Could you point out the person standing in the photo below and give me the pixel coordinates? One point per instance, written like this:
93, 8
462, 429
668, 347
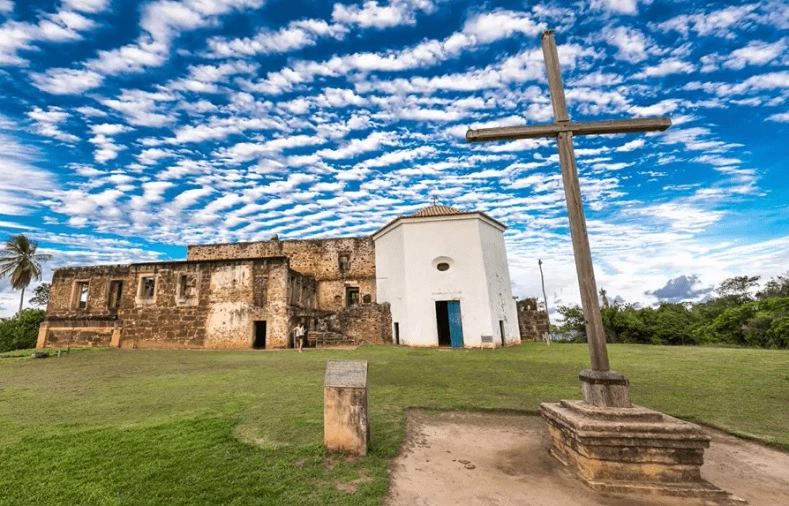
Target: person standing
299, 336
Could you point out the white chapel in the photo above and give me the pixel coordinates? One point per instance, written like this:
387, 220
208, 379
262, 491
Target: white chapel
444, 273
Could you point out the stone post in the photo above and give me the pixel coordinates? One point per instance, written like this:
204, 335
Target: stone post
346, 426
43, 332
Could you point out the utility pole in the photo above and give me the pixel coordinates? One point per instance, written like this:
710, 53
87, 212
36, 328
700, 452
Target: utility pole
544, 297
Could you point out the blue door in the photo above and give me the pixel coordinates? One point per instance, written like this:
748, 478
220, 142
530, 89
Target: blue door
455, 324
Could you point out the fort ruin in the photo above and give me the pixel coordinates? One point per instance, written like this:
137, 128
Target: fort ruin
250, 295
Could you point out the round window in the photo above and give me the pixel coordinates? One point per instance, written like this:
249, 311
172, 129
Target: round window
443, 266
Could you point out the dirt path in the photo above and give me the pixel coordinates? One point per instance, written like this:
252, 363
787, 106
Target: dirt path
495, 459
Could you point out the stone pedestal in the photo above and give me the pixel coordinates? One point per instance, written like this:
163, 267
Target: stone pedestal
346, 426
629, 450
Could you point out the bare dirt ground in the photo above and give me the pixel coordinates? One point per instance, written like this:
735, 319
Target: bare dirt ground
503, 459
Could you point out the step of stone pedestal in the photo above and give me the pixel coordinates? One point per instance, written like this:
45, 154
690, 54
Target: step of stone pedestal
703, 489
635, 413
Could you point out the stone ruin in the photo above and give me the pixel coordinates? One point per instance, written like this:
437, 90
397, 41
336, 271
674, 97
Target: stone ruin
532, 319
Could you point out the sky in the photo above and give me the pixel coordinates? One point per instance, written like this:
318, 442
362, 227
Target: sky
129, 130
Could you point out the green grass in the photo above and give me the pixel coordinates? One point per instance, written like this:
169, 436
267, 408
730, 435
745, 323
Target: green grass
194, 427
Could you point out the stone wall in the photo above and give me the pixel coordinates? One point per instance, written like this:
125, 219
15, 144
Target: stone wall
336, 264
209, 304
371, 323
532, 319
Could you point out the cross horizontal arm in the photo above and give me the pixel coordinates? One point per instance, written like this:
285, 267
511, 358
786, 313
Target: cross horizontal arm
620, 126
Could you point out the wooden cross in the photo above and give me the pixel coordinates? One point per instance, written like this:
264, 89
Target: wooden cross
563, 130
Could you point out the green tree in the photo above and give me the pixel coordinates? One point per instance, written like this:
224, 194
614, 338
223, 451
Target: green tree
19, 260
738, 289
40, 295
776, 287
21, 331
573, 317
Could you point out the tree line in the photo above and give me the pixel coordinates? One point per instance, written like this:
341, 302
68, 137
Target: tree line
741, 313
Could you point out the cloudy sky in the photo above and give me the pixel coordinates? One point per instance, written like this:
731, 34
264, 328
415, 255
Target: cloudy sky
129, 130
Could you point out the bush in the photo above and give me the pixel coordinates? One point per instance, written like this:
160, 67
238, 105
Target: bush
21, 331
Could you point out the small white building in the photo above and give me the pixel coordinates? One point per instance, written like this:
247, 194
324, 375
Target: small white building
445, 274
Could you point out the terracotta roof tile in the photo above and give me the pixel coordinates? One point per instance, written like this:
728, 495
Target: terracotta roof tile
436, 210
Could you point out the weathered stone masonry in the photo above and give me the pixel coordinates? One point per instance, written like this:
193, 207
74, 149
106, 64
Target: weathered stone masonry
219, 296
532, 319
336, 264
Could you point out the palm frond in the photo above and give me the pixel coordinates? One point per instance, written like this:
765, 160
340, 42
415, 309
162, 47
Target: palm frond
18, 258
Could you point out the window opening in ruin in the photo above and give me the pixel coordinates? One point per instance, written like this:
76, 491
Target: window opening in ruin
116, 289
501, 331
260, 336
397, 332
367, 299
187, 286
147, 287
82, 294
351, 296
345, 262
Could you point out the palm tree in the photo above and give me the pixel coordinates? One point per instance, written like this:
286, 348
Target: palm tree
18, 258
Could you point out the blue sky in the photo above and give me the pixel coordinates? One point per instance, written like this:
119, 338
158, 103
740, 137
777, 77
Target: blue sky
130, 130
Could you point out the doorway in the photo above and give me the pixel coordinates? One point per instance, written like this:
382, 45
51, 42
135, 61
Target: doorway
501, 331
449, 323
260, 336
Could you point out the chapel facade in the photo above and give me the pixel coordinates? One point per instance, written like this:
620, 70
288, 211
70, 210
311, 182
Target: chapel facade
438, 277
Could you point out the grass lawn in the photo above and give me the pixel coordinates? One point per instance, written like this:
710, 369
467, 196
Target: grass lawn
199, 427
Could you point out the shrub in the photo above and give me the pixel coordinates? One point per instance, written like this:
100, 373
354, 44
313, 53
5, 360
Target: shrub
21, 331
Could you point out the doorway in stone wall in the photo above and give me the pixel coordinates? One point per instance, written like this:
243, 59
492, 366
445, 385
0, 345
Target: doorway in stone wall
260, 336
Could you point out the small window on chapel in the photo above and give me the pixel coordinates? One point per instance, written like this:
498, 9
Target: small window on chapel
82, 294
345, 262
147, 287
443, 266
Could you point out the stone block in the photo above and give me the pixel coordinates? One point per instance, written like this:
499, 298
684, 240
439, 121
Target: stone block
346, 426
605, 388
627, 450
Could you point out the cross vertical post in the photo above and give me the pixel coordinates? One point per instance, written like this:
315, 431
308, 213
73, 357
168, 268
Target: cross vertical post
600, 385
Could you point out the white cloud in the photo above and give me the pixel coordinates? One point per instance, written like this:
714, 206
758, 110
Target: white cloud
61, 26
297, 35
24, 184
616, 6
205, 78
666, 67
142, 108
371, 14
782, 117
756, 53
717, 22
66, 81
355, 147
246, 151
46, 123
632, 45
768, 81
501, 24
91, 6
